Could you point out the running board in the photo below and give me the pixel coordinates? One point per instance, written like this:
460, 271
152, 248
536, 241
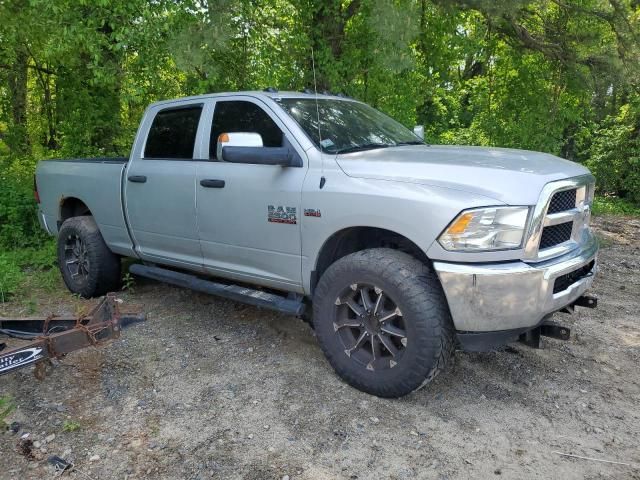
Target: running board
258, 298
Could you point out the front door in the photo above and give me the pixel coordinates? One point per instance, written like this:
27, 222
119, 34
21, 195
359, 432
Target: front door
160, 188
248, 214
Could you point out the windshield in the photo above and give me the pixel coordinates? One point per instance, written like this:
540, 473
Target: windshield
346, 126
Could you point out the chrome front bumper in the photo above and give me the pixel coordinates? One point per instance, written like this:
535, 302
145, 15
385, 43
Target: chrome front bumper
512, 295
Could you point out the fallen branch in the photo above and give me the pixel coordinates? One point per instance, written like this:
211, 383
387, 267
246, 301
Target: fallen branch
597, 460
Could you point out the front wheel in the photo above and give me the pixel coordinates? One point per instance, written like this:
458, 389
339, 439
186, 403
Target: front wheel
87, 265
383, 322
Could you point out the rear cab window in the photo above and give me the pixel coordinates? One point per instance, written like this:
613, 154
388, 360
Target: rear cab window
172, 135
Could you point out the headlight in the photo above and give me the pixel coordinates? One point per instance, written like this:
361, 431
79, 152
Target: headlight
492, 228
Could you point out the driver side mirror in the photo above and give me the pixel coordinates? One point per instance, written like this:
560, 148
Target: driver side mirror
248, 148
237, 139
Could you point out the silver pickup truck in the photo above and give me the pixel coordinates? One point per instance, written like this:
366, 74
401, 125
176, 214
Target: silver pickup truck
321, 206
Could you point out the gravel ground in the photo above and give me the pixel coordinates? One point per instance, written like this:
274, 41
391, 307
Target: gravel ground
207, 388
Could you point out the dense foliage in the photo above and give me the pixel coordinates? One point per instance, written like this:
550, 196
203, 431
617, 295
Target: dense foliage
561, 76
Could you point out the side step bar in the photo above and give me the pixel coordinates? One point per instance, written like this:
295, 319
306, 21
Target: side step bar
258, 298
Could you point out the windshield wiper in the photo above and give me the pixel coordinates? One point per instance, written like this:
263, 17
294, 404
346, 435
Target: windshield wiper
360, 148
412, 142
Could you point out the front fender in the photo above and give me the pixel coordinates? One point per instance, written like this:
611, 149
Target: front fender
417, 212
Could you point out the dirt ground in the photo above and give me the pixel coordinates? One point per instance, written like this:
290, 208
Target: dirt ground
212, 389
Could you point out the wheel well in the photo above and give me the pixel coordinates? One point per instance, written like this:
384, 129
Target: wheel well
72, 207
354, 239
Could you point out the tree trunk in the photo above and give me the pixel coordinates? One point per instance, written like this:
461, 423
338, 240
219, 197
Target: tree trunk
109, 94
327, 28
18, 136
52, 142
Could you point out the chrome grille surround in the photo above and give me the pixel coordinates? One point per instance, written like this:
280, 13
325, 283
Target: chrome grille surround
579, 215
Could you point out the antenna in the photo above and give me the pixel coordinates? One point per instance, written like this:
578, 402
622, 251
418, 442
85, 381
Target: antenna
315, 90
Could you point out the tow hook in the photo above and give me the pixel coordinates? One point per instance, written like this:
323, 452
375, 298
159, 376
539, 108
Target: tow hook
546, 329
553, 330
587, 301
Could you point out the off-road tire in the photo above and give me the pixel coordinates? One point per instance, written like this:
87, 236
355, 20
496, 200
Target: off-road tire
416, 290
103, 272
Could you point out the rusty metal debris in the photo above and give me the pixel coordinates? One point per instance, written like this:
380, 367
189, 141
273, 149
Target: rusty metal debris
54, 337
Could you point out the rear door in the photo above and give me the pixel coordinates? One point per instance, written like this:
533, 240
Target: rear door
248, 214
160, 186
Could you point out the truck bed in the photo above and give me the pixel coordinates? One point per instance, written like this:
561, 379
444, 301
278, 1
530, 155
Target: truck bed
95, 181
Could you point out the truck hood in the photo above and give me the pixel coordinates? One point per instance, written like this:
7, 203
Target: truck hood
510, 176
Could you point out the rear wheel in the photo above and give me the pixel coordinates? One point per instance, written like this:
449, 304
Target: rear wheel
87, 265
383, 322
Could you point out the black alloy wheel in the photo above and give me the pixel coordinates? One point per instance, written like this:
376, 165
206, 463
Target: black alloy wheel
76, 258
370, 326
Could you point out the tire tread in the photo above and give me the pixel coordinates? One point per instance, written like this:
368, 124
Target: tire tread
422, 293
104, 275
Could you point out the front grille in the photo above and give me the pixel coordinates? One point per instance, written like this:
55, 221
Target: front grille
565, 281
556, 234
562, 201
561, 219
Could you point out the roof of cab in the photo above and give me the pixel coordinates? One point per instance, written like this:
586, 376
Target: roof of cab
274, 95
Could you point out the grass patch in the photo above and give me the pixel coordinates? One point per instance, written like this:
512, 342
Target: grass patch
49, 280
128, 283
6, 406
614, 206
11, 277
30, 267
70, 426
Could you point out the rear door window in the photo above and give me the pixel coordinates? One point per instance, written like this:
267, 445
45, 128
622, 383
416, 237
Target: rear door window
246, 117
173, 133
